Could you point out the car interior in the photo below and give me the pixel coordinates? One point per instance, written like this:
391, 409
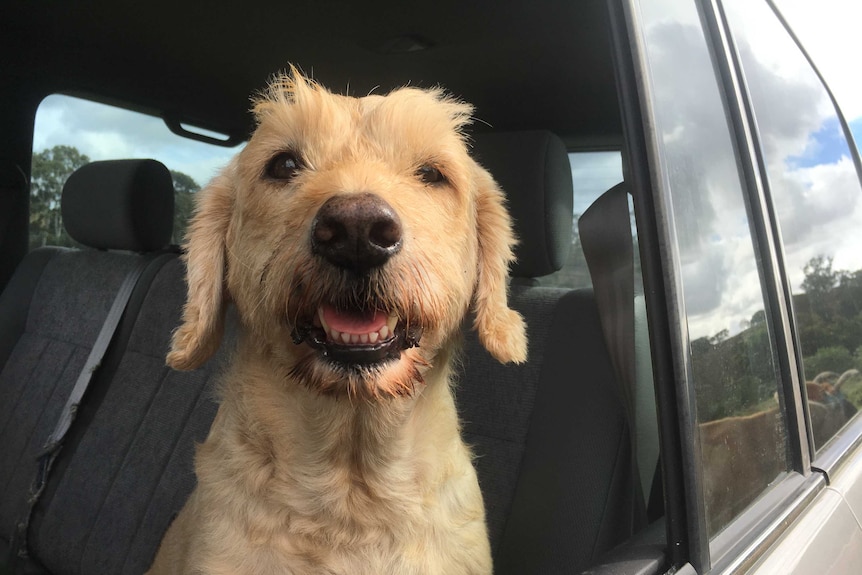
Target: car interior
565, 444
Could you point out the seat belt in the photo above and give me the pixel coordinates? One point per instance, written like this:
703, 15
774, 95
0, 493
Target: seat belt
606, 238
18, 548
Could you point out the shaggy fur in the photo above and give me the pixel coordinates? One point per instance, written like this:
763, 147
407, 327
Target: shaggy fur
312, 466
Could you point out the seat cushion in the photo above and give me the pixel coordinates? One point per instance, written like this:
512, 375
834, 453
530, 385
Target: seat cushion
69, 303
128, 467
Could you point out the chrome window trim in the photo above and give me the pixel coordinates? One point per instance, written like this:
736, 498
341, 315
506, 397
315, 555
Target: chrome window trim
839, 448
748, 537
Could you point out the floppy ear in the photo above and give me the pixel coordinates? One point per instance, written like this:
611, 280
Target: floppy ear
200, 333
501, 330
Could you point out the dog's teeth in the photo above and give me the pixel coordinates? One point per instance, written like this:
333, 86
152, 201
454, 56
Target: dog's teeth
372, 337
334, 335
345, 337
363, 338
391, 322
384, 332
354, 338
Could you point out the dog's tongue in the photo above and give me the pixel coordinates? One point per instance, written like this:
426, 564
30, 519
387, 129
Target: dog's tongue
354, 321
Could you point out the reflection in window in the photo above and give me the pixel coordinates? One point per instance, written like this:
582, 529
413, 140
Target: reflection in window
740, 423
817, 196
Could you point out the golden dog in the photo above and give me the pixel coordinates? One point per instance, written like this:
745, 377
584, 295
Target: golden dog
353, 236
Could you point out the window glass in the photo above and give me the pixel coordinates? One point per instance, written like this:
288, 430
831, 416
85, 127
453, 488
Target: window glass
738, 416
818, 200
593, 173
70, 132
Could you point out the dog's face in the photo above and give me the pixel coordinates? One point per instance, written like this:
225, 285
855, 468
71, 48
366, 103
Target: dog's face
352, 234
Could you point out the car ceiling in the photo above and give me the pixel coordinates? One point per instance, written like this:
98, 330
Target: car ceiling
523, 64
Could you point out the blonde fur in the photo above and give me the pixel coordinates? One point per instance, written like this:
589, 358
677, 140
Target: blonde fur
309, 468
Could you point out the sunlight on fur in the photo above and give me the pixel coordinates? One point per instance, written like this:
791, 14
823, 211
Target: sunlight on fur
353, 236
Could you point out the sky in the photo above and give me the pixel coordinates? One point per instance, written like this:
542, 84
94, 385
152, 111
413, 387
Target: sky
830, 31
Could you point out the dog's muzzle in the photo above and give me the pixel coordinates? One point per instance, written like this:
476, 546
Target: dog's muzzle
356, 233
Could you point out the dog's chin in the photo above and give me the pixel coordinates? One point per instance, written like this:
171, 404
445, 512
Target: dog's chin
363, 354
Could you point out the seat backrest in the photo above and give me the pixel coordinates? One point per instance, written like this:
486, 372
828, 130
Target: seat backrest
551, 436
127, 468
56, 302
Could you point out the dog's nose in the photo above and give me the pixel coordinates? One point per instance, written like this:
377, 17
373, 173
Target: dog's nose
356, 231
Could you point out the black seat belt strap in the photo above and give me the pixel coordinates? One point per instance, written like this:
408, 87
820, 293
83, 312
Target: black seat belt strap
606, 238
54, 443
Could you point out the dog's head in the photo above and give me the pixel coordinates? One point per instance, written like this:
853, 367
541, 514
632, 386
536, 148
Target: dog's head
352, 234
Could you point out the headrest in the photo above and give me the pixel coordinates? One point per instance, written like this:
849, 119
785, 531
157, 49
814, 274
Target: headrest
533, 169
120, 205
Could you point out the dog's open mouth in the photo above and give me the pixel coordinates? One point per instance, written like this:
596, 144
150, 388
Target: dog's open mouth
357, 336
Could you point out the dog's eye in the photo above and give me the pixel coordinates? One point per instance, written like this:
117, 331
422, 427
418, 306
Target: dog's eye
430, 175
283, 166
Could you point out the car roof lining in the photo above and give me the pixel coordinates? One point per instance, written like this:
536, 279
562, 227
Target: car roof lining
523, 64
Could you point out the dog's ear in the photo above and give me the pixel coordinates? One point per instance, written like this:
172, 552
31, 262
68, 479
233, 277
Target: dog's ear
501, 330
199, 335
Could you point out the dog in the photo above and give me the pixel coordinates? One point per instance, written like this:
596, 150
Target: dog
353, 236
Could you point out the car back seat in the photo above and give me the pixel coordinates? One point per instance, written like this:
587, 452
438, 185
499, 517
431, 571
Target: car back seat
552, 439
56, 302
128, 468
550, 436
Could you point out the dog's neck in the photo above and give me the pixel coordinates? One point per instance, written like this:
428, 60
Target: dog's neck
374, 443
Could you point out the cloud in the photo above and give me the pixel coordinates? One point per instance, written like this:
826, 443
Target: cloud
813, 182
829, 29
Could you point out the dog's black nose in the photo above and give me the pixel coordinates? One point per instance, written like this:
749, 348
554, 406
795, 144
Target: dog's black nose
356, 231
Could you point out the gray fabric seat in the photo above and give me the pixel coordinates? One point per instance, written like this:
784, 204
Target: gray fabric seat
551, 437
128, 465
55, 304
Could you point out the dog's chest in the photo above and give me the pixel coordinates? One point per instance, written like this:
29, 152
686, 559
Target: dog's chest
380, 494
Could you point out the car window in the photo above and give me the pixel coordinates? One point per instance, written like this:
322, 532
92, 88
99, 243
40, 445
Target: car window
70, 132
817, 197
730, 366
593, 173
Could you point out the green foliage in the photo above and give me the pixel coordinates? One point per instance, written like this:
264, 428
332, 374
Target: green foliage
50, 170
184, 190
835, 358
736, 374
852, 390
819, 276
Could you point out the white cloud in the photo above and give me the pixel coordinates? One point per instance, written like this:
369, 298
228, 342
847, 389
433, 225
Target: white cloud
829, 29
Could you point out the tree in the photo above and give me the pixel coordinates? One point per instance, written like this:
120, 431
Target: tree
50, 170
184, 190
820, 278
